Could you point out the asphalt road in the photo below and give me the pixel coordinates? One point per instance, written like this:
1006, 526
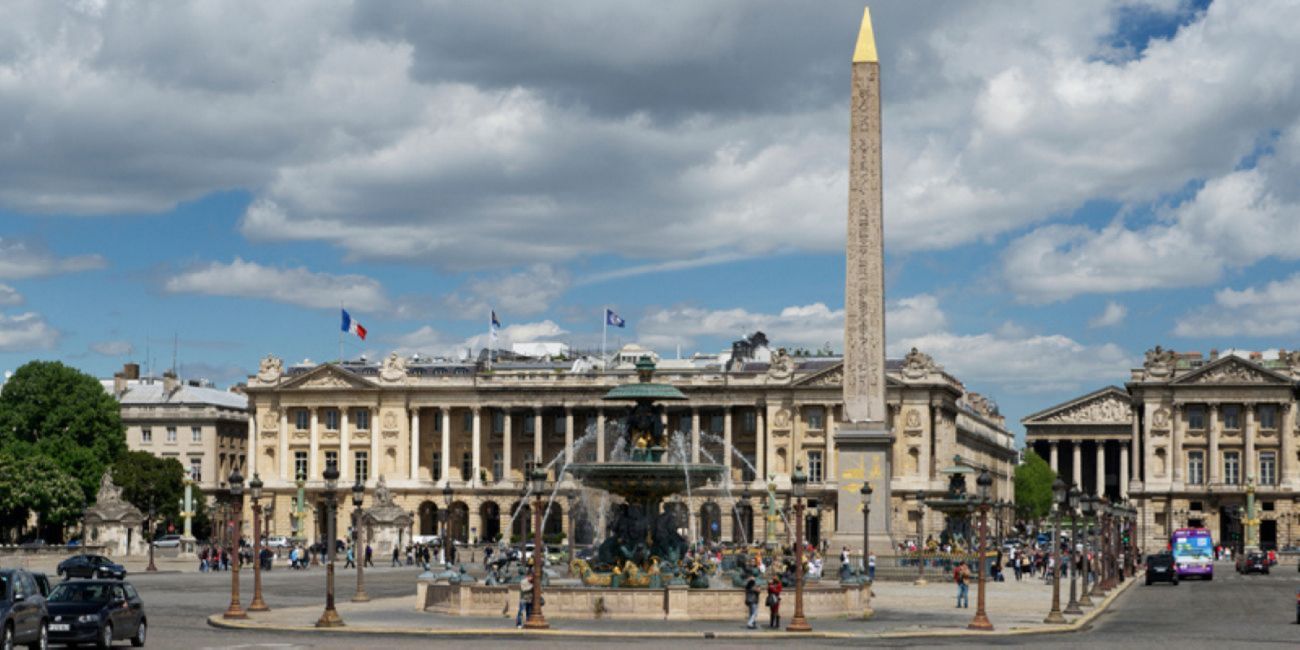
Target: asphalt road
1229, 612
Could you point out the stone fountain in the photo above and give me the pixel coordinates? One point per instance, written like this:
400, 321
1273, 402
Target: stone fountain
643, 547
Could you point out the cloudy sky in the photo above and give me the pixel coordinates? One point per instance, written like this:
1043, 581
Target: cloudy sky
1067, 184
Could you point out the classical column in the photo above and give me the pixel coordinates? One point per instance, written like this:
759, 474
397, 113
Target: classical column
760, 441
1056, 456
1249, 466
1077, 466
832, 467
726, 444
1123, 471
446, 445
1176, 451
695, 434
1216, 473
476, 439
537, 437
1101, 468
415, 444
507, 447
345, 439
252, 442
286, 463
1288, 443
371, 421
1131, 473
600, 435
313, 442
568, 435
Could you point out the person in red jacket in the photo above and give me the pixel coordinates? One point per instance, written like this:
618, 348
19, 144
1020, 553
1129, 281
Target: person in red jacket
774, 603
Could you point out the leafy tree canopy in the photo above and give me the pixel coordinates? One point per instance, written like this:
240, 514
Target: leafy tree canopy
151, 482
37, 484
1034, 479
55, 411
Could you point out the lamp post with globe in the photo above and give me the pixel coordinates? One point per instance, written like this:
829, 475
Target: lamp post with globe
237, 508
536, 621
981, 620
330, 617
359, 546
255, 493
866, 526
798, 487
1058, 503
1072, 502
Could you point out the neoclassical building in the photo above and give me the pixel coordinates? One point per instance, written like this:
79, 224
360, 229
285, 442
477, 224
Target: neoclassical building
459, 437
1184, 439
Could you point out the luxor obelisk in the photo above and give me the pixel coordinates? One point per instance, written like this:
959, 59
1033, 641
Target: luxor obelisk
862, 439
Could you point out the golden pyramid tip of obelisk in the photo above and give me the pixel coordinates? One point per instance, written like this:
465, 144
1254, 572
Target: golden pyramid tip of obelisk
865, 50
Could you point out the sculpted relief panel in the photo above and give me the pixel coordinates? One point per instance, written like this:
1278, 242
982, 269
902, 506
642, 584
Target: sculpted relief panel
1231, 373
1107, 410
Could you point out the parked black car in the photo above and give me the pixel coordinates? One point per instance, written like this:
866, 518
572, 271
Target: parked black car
91, 566
1253, 562
23, 617
96, 611
1160, 567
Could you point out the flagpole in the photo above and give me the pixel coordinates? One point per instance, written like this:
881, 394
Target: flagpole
341, 333
489, 341
604, 333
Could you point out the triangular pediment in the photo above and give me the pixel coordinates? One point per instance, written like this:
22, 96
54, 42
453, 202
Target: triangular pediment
1233, 370
832, 376
1110, 405
328, 377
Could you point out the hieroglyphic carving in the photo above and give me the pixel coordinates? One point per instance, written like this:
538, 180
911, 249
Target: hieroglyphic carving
1106, 410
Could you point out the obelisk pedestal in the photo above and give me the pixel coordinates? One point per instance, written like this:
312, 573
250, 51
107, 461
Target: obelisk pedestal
863, 439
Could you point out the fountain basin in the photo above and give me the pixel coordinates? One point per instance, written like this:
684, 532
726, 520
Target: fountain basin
641, 481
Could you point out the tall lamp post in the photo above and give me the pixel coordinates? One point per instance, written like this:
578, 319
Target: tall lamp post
981, 620
1088, 507
798, 487
359, 548
255, 493
920, 538
330, 617
445, 517
536, 621
866, 525
1058, 503
237, 509
1072, 497
153, 512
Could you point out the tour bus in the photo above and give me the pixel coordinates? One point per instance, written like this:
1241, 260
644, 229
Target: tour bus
1193, 550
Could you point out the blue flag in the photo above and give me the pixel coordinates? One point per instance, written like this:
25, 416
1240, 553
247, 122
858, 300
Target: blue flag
613, 319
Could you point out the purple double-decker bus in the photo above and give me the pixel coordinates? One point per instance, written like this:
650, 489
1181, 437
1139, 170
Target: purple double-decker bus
1193, 550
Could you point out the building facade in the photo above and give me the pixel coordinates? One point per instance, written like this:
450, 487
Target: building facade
204, 428
459, 438
1185, 440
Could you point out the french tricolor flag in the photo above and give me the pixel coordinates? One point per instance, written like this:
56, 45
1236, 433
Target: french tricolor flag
352, 326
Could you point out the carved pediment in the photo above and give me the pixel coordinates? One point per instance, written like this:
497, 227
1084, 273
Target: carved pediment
1233, 370
1109, 405
328, 377
832, 376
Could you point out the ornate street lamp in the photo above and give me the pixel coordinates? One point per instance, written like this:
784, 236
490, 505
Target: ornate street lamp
1102, 509
981, 620
1072, 608
153, 512
798, 487
445, 517
536, 621
359, 546
255, 493
1059, 496
330, 617
866, 524
237, 508
920, 538
1088, 506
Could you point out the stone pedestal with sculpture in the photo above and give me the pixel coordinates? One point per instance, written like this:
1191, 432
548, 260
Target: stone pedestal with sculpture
114, 524
386, 523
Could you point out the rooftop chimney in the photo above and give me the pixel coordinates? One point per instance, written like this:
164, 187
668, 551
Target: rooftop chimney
131, 371
170, 383
119, 383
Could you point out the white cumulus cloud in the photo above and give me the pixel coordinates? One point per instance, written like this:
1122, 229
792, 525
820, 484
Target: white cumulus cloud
1111, 316
26, 332
294, 286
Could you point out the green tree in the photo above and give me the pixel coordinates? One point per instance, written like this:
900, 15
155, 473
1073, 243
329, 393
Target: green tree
55, 411
151, 482
1034, 479
36, 484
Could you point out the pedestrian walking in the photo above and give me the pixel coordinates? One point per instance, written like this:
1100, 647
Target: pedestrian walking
369, 563
960, 575
751, 602
525, 601
871, 567
774, 603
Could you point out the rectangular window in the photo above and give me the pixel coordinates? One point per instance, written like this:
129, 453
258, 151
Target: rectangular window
684, 423
302, 419
467, 466
1267, 416
747, 469
331, 420
467, 423
362, 465
529, 464
559, 424
498, 423
497, 466
171, 434
362, 417
437, 423
814, 467
1232, 467
146, 436
750, 419
716, 424
1231, 417
196, 434
529, 421
196, 470
1267, 467
1195, 417
299, 464
332, 458
436, 469
1196, 467
815, 418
